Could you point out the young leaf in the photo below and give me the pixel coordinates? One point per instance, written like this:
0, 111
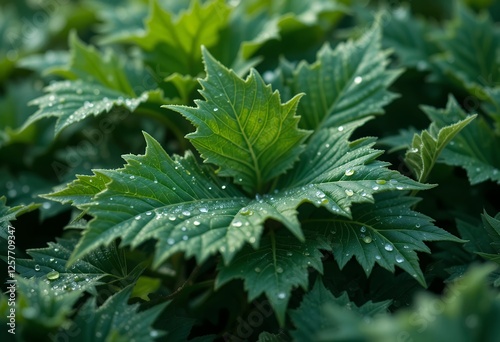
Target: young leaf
474, 148
387, 232
344, 84
81, 190
115, 320
426, 147
174, 41
279, 264
309, 320
243, 128
471, 51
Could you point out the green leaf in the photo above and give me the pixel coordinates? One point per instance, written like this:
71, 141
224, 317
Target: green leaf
175, 40
387, 233
81, 190
115, 320
309, 320
41, 306
474, 148
491, 225
426, 147
467, 313
50, 263
74, 101
279, 264
344, 84
400, 141
471, 48
407, 36
243, 128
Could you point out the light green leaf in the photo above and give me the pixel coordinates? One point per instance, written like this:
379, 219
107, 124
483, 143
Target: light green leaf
344, 84
278, 265
474, 148
472, 46
115, 320
81, 190
309, 320
49, 263
175, 40
73, 101
387, 232
243, 128
426, 147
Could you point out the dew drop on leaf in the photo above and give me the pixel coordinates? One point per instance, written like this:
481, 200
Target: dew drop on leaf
399, 259
349, 172
37, 267
170, 241
340, 129
53, 275
257, 269
349, 192
358, 79
362, 229
148, 213
378, 257
381, 181
388, 247
196, 223
279, 270
237, 224
282, 295
367, 239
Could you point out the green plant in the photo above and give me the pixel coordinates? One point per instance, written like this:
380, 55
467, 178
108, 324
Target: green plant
264, 206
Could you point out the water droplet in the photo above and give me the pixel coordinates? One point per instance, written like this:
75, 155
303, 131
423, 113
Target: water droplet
388, 247
399, 259
367, 239
282, 295
289, 253
349, 172
132, 177
51, 259
186, 213
237, 224
37, 267
257, 269
138, 217
381, 181
172, 218
279, 270
203, 210
399, 188
216, 109
185, 237
362, 229
349, 192
46, 205
223, 187
320, 194
52, 275
417, 225
340, 129
358, 79
148, 213
252, 239
413, 150
170, 241
196, 223
378, 257
376, 188
154, 333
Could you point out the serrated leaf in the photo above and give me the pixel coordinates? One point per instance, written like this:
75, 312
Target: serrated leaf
471, 51
50, 263
242, 127
74, 101
309, 320
491, 225
41, 305
275, 268
407, 36
427, 146
387, 233
474, 148
467, 313
344, 84
174, 41
81, 190
115, 320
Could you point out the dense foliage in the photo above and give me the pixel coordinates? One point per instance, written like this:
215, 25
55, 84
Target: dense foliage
250, 170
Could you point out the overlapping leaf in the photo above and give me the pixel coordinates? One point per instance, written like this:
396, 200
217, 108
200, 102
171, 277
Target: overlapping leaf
426, 147
115, 320
279, 264
96, 83
243, 128
50, 263
471, 50
387, 233
309, 318
174, 42
474, 148
344, 84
